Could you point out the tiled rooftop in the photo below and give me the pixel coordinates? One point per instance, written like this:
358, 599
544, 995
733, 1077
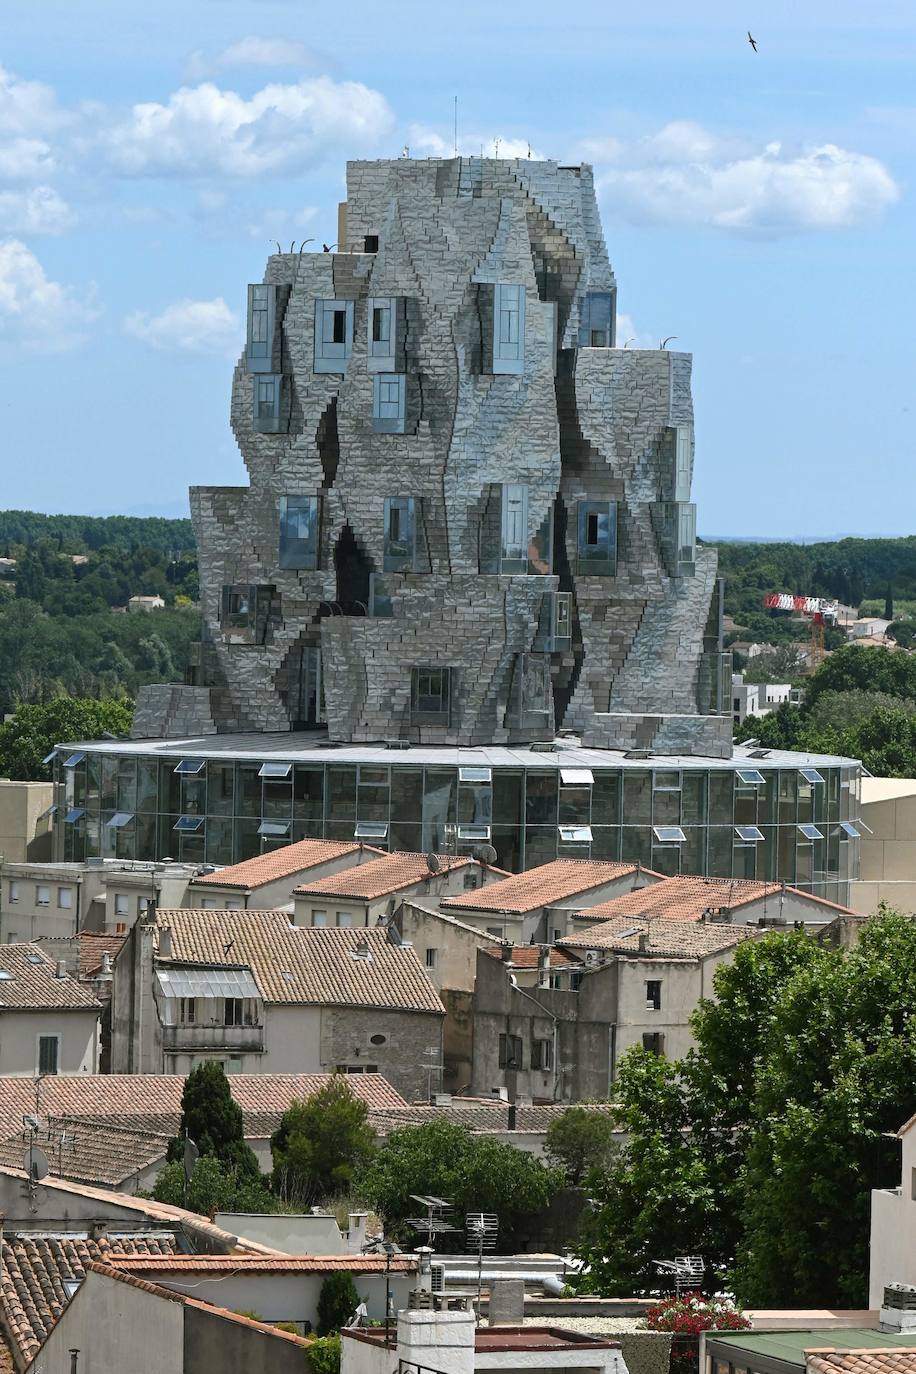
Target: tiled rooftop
686, 898
379, 877
478, 1114
35, 1271
678, 939
543, 886
148, 1266
92, 945
153, 1101
284, 862
29, 982
302, 965
893, 1360
102, 1153
528, 956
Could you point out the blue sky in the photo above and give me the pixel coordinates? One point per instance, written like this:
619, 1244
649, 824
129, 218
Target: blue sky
759, 207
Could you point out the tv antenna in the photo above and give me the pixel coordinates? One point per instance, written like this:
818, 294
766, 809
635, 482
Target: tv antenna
434, 1223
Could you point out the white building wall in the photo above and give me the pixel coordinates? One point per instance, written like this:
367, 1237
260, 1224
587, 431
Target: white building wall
115, 1326
893, 1228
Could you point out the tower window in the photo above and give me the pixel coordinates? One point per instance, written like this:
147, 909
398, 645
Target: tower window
596, 320
389, 410
430, 694
299, 532
508, 328
262, 315
597, 552
400, 534
333, 335
268, 389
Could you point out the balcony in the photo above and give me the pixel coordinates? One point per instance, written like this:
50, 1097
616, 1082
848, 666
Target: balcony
196, 1039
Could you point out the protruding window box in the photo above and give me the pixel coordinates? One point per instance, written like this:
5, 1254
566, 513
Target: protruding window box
400, 542
430, 696
262, 327
386, 324
502, 319
597, 320
676, 463
333, 335
267, 403
554, 635
389, 403
380, 606
245, 613
597, 539
678, 535
299, 528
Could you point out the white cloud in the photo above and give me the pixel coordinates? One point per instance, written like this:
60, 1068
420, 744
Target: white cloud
203, 130
685, 175
28, 107
427, 142
265, 52
192, 326
41, 314
628, 336
37, 211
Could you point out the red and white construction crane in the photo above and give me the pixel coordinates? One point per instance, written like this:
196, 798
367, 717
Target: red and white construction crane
814, 608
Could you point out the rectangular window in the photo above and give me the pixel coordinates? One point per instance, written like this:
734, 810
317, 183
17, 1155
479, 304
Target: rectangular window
811, 775
233, 1011
387, 334
514, 547
333, 335
682, 463
187, 1011
669, 834
266, 397
596, 320
43, 895
654, 1042
686, 538
508, 328
653, 994
344, 920
14, 892
121, 904
750, 776
432, 958
542, 1054
430, 692
389, 403
319, 918
400, 534
510, 1051
597, 544
299, 532
65, 898
48, 1053
262, 315
561, 627
748, 834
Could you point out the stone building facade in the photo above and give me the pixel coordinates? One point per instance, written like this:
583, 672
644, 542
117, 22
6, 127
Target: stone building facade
469, 515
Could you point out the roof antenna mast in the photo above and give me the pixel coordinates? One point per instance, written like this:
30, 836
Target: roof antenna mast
456, 126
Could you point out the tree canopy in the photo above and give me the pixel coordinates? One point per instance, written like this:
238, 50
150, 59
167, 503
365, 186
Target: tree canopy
580, 1140
320, 1142
212, 1118
759, 1149
474, 1173
32, 732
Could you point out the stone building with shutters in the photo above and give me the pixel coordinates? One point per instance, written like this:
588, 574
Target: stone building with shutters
466, 561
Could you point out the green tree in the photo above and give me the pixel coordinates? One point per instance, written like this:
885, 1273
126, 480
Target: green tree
212, 1118
211, 1188
34, 730
475, 1173
580, 1140
337, 1301
319, 1143
902, 632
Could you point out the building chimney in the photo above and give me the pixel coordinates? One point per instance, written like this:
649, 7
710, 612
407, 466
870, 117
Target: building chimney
105, 970
357, 1224
644, 942
165, 942
505, 954
61, 970
510, 1124
544, 966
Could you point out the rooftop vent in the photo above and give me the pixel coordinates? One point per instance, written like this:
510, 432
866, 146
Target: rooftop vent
362, 951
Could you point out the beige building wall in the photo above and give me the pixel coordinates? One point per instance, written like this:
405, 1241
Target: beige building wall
23, 834
77, 1033
683, 983
115, 1325
888, 853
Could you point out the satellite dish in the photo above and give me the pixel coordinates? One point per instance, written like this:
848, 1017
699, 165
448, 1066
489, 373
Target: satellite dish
433, 863
191, 1154
36, 1164
486, 854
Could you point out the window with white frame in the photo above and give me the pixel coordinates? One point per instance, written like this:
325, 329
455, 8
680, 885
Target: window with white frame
319, 918
187, 1011
432, 958
122, 904
65, 898
14, 892
333, 335
42, 895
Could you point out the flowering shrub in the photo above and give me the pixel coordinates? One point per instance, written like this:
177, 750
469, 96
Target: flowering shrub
685, 1317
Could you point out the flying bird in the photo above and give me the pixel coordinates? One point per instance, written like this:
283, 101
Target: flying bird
751, 40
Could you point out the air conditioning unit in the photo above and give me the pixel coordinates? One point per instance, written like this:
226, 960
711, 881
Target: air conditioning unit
591, 956
437, 1277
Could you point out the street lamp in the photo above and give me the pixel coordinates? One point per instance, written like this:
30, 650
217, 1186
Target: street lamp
374, 1247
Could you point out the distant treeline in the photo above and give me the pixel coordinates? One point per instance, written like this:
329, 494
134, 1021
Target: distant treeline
849, 570
86, 533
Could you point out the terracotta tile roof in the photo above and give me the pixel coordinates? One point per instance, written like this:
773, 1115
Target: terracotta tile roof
686, 898
895, 1359
280, 863
479, 1115
34, 1272
679, 938
92, 945
150, 1265
528, 956
379, 877
153, 1101
103, 1153
543, 886
28, 981
7, 1362
302, 965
